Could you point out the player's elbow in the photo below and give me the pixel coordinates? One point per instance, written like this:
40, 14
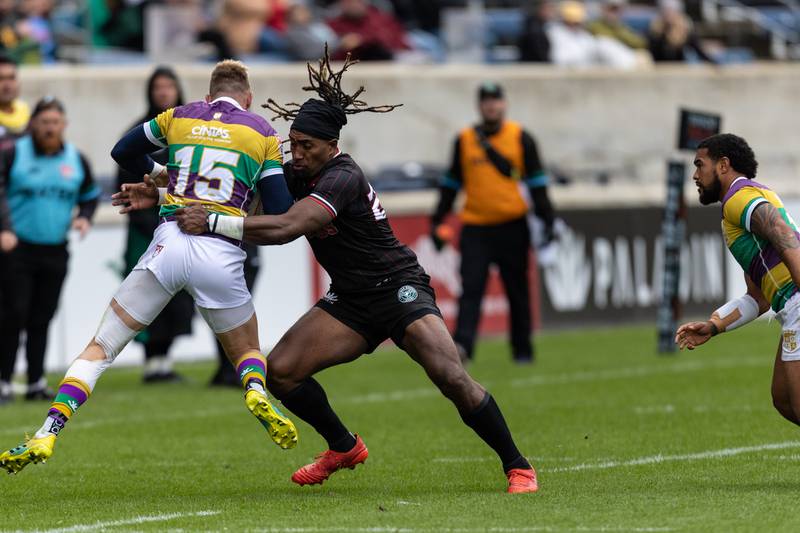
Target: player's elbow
119, 153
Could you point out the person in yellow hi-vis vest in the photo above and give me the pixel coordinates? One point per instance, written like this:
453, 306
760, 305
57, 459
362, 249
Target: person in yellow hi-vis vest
494, 162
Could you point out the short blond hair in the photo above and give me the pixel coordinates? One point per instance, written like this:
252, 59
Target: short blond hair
229, 76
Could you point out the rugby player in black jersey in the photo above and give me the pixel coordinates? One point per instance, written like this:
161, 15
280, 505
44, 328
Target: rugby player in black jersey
378, 289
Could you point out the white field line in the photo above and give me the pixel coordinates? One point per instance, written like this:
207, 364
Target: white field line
498, 529
430, 391
657, 459
127, 522
669, 409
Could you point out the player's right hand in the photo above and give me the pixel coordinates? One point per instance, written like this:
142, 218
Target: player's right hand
8, 241
136, 196
693, 334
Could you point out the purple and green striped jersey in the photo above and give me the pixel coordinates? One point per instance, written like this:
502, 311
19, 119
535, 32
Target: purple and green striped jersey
759, 259
217, 153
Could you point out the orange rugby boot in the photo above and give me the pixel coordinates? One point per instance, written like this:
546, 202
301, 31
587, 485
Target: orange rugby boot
329, 462
522, 480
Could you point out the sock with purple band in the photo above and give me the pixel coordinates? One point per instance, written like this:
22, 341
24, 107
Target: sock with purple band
72, 393
252, 370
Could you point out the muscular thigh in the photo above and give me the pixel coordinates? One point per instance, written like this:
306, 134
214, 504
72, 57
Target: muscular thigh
429, 343
315, 342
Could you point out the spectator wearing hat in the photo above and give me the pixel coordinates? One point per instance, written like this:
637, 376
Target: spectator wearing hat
573, 46
611, 25
493, 162
45, 179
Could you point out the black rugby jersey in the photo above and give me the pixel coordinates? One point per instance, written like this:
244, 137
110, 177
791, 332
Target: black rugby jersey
358, 248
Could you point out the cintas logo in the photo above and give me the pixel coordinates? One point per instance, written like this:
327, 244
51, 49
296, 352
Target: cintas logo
211, 131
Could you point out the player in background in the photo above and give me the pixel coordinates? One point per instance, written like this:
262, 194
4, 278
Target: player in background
378, 289
219, 154
764, 240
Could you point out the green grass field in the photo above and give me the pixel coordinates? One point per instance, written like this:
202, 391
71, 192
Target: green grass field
623, 441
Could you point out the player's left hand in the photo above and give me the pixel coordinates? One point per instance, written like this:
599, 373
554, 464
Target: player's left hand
82, 226
193, 219
693, 334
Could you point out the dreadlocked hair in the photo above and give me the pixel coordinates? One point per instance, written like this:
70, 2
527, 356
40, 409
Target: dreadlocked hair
327, 84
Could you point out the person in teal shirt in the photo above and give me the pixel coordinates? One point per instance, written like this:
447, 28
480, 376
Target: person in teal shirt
45, 180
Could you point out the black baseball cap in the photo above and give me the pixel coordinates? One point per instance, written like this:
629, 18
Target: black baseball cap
47, 103
490, 89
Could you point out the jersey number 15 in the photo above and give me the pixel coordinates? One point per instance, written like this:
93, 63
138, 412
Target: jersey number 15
215, 173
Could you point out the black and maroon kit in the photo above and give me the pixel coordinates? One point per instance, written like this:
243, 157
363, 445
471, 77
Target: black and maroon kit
377, 286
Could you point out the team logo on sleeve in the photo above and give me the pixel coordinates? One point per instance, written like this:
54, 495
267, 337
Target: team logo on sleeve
789, 340
407, 294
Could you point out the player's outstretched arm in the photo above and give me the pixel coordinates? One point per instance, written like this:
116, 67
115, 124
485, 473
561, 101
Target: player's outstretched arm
730, 316
304, 217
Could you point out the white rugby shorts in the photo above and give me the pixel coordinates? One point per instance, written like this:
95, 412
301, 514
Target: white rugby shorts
210, 269
789, 317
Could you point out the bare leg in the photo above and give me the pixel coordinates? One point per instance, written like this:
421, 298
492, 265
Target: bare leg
428, 343
317, 341
786, 387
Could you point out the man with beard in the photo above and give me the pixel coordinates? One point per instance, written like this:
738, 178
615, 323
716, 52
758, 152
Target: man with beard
50, 189
378, 289
763, 239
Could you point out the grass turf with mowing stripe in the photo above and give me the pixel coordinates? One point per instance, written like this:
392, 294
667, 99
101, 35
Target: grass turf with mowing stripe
624, 440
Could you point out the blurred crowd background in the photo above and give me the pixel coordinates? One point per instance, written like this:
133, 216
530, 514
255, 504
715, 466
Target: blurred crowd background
572, 33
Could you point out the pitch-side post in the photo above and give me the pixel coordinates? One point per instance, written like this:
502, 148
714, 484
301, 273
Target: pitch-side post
694, 127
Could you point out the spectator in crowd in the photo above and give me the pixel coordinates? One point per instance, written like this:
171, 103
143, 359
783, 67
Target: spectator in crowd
366, 32
490, 162
14, 113
672, 34
241, 24
117, 23
534, 44
163, 92
45, 178
277, 11
306, 35
35, 24
422, 15
241, 31
611, 25
21, 48
571, 45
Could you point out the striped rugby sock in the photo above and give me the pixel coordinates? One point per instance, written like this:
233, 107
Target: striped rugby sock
72, 393
252, 370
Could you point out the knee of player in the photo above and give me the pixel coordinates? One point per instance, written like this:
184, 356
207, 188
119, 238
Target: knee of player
114, 333
278, 370
450, 377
